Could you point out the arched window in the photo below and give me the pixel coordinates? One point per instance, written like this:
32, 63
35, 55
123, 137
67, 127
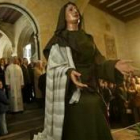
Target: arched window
27, 52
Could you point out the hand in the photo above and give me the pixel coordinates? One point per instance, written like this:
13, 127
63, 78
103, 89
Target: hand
125, 67
74, 77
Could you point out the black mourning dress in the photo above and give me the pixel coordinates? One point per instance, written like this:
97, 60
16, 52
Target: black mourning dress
86, 119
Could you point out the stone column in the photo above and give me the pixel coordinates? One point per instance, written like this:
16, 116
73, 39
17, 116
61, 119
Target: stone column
36, 55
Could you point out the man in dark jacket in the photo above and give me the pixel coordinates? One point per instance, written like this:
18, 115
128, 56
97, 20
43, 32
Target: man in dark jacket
3, 109
27, 88
42, 86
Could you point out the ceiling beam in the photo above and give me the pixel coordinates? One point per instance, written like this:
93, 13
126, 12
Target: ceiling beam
124, 10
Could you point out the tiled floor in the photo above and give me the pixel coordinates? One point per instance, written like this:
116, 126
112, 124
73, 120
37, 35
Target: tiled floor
125, 134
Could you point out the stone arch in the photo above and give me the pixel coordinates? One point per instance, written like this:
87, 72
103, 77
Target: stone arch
7, 50
31, 19
6, 32
24, 38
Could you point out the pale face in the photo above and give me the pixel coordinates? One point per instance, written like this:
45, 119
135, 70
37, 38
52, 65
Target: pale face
1, 85
72, 14
25, 61
2, 62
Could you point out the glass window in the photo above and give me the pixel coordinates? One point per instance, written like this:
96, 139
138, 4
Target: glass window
27, 52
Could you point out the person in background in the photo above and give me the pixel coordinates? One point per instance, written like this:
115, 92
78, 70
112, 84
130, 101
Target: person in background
3, 109
2, 74
42, 86
14, 81
30, 67
27, 88
74, 110
133, 93
38, 71
125, 111
106, 96
7, 62
2, 70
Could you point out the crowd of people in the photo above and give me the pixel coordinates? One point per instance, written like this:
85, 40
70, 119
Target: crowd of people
19, 85
22, 82
122, 100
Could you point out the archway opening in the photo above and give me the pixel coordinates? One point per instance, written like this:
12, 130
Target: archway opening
5, 45
22, 27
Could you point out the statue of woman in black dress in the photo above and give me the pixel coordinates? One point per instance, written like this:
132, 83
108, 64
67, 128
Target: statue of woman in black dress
74, 107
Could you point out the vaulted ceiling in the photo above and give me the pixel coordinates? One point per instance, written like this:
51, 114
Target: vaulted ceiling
124, 10
9, 15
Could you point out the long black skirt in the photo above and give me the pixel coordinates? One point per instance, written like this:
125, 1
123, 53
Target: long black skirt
86, 120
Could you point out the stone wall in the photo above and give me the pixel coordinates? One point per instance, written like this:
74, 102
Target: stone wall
133, 40
100, 24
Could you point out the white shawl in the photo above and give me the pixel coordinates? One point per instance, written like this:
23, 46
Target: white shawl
60, 60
